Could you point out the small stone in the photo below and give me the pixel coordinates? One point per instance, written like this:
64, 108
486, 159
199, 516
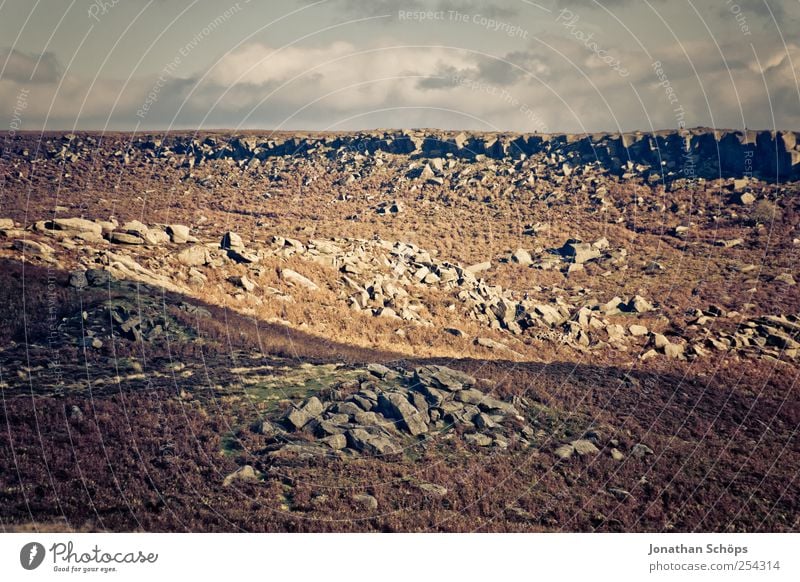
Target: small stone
564, 451
368, 502
478, 439
640, 450
584, 447
245, 474
78, 280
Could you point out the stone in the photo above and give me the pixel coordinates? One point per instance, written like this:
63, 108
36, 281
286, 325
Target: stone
396, 405
78, 280
454, 331
470, 396
786, 279
124, 238
295, 278
243, 282
478, 439
99, 277
243, 257
363, 441
616, 454
564, 451
640, 450
638, 330
367, 502
244, 474
484, 422
232, 241
674, 351
639, 304
31, 247
378, 370
194, 256
580, 252
335, 441
76, 224
659, 340
443, 378
522, 257
433, 489
479, 267
178, 233
584, 447
300, 417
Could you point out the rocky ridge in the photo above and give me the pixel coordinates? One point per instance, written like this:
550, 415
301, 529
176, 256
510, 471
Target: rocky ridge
667, 154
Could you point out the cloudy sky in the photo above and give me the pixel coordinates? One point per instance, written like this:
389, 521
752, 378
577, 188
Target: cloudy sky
520, 65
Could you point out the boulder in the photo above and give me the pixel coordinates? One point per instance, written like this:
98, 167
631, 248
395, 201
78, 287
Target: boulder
396, 405
295, 278
522, 257
124, 238
639, 304
245, 474
367, 502
580, 252
478, 439
78, 280
76, 224
232, 241
178, 233
365, 442
443, 378
479, 267
31, 247
584, 447
99, 277
194, 256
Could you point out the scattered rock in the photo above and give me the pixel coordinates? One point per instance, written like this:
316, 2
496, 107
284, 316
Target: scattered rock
244, 474
295, 278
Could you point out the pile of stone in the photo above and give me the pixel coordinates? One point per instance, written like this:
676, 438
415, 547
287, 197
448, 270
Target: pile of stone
387, 411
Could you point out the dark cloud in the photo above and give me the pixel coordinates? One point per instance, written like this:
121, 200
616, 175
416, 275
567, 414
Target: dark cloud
29, 68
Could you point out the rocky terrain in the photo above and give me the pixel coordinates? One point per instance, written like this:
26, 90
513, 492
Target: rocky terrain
402, 331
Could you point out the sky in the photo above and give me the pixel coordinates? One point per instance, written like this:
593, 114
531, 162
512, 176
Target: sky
542, 66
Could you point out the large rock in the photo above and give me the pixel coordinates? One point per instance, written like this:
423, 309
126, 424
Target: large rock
78, 280
580, 252
443, 378
396, 405
365, 442
522, 257
76, 224
194, 256
31, 247
300, 417
125, 238
232, 241
295, 278
178, 233
245, 474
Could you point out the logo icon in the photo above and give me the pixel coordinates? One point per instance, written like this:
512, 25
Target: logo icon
32, 555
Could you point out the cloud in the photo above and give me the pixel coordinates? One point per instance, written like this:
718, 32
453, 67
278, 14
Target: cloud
554, 83
27, 68
383, 7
